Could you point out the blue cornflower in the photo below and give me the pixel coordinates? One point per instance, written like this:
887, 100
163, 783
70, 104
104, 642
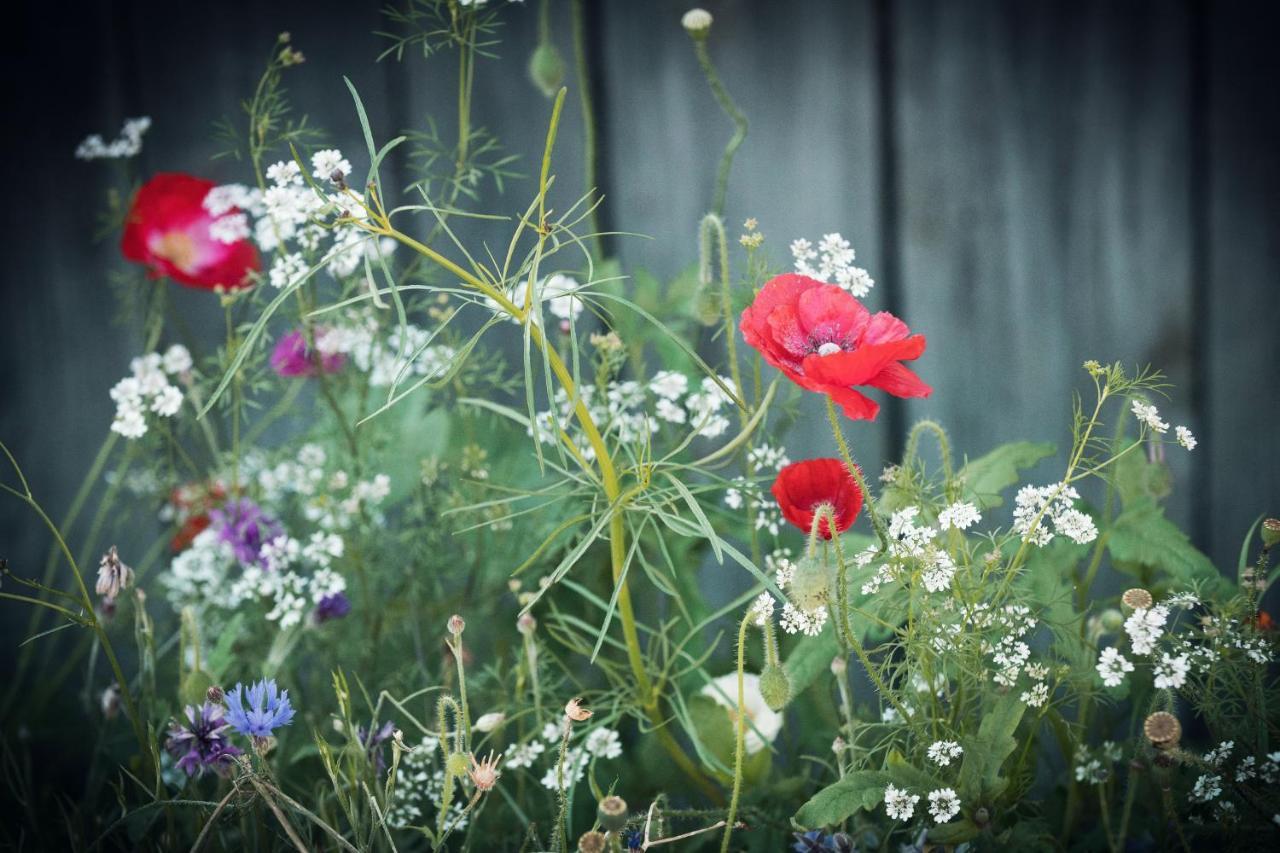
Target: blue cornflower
634, 839
266, 709
201, 743
815, 841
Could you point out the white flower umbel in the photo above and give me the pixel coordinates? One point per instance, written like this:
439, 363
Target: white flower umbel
1207, 788
1112, 666
1144, 627
943, 804
762, 609
899, 804
127, 144
1148, 415
960, 515
147, 389
1185, 438
763, 723
834, 263
1038, 507
325, 163
1171, 672
807, 622
943, 752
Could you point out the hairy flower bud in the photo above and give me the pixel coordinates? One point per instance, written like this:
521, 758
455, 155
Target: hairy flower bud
697, 23
612, 813
775, 687
547, 69
214, 695
489, 722
839, 666
1111, 620
809, 587
456, 625
457, 765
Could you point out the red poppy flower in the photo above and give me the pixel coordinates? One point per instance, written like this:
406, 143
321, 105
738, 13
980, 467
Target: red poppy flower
168, 229
802, 487
1264, 622
825, 340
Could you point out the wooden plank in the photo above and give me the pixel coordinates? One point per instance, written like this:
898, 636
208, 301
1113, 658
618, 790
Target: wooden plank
1045, 208
1242, 350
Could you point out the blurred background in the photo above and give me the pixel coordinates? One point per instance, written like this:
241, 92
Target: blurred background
1031, 184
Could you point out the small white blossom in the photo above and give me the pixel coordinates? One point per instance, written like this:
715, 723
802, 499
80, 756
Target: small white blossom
1037, 695
960, 515
1112, 666
943, 752
325, 163
1149, 415
943, 804
1145, 626
899, 804
176, 359
762, 609
1207, 788
1171, 672
797, 621
1185, 438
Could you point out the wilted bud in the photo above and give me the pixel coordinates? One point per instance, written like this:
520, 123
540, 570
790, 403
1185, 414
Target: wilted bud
547, 69
697, 23
113, 575
214, 695
526, 624
839, 666
775, 687
457, 625
574, 711
1271, 532
612, 813
489, 722
1162, 729
111, 701
1137, 599
592, 842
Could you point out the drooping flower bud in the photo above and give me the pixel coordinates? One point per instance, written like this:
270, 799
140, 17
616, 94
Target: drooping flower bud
839, 666
113, 575
810, 586
111, 701
526, 624
697, 23
547, 69
612, 813
489, 722
775, 687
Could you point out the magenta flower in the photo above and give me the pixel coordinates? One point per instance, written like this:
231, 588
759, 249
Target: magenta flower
292, 357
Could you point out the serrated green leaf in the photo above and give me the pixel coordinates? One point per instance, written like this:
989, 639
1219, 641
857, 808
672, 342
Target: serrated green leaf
986, 752
1142, 536
1136, 479
861, 790
987, 476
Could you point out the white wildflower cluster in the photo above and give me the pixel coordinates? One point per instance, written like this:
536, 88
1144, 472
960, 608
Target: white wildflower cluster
1094, 767
403, 353
148, 389
557, 294
1035, 507
1207, 788
943, 752
1149, 417
960, 515
127, 144
419, 790
912, 547
794, 620
764, 460
1112, 667
630, 411
289, 219
1009, 651
1171, 671
599, 744
1145, 626
899, 804
330, 500
831, 261
944, 805
289, 594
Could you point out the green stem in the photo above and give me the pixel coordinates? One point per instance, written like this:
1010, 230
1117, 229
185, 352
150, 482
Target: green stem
944, 446
588, 115
732, 111
877, 523
740, 734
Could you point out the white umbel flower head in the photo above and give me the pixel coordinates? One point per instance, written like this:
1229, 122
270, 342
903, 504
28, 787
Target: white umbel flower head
1112, 666
943, 752
697, 22
900, 804
1185, 438
943, 804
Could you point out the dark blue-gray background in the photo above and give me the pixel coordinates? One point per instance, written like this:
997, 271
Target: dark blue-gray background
1031, 184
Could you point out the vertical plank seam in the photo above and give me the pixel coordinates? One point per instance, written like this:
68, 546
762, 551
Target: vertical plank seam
1199, 188
593, 24
887, 202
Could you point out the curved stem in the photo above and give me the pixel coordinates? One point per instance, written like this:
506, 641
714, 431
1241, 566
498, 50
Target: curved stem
854, 471
944, 446
740, 734
732, 111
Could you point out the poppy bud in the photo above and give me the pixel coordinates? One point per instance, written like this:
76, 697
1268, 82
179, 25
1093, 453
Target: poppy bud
612, 813
981, 817
546, 69
775, 687
809, 587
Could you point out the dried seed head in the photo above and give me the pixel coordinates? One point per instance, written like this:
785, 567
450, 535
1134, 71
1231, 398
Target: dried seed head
592, 842
1162, 729
113, 575
484, 774
456, 625
575, 712
612, 813
1271, 532
1137, 599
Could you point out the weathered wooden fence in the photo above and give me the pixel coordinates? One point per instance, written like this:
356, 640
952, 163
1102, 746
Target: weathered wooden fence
1031, 184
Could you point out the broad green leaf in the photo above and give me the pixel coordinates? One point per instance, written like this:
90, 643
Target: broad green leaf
984, 753
861, 790
987, 476
1136, 479
1142, 536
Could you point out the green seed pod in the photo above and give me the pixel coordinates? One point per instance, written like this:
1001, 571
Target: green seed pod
592, 842
809, 589
1271, 532
547, 69
612, 813
775, 687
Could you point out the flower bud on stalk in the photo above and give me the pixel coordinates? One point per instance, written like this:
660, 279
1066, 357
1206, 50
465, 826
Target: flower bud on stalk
111, 701
775, 687
456, 625
214, 695
547, 69
697, 23
809, 588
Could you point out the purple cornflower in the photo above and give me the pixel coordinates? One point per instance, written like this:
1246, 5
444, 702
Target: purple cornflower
814, 841
372, 740
262, 711
333, 606
243, 526
292, 357
201, 743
